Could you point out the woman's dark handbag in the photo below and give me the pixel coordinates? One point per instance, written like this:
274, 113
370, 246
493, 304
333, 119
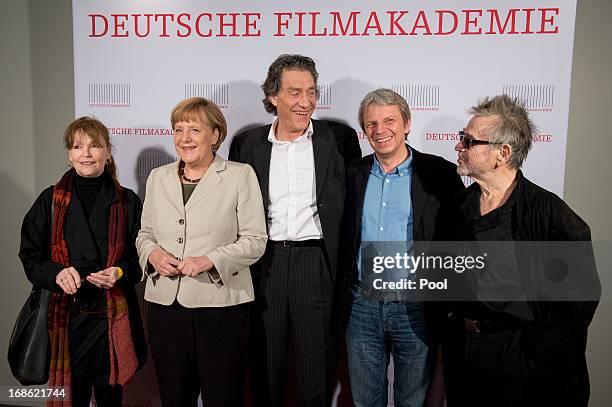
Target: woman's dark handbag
29, 352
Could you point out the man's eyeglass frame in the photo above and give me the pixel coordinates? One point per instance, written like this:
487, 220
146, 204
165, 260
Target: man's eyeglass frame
467, 140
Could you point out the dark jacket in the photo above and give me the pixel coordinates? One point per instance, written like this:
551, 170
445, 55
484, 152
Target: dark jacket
87, 247
434, 182
538, 362
335, 145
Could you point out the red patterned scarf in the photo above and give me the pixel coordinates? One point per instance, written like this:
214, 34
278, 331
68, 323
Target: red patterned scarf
123, 361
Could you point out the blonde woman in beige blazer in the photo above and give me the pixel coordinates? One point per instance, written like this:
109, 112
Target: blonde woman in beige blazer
203, 224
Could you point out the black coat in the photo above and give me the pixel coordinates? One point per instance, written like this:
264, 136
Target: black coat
434, 183
538, 362
334, 145
87, 244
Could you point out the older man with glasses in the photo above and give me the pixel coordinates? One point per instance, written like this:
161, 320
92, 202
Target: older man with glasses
521, 340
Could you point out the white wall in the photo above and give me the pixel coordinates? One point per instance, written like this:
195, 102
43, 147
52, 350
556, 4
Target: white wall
588, 186
37, 102
17, 172
37, 95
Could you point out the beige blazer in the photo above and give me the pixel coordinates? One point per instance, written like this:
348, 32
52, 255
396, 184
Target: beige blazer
223, 220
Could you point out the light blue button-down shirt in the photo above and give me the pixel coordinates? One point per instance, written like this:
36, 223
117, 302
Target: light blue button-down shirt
387, 214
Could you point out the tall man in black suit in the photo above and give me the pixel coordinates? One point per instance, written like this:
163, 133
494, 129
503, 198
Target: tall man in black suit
392, 201
300, 164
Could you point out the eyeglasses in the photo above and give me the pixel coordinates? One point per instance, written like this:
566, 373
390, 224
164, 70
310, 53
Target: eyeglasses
468, 140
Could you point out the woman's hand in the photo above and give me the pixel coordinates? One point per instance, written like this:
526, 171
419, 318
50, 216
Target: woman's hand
104, 278
192, 266
69, 280
164, 263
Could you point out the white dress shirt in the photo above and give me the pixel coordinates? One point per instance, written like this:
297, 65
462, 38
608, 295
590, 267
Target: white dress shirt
292, 213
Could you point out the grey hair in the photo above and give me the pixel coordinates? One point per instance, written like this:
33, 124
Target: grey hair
513, 125
272, 84
384, 97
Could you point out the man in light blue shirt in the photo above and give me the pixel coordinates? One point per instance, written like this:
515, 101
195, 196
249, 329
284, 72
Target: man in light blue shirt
392, 200
386, 224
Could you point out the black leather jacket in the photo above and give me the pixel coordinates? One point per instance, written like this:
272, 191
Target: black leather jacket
547, 354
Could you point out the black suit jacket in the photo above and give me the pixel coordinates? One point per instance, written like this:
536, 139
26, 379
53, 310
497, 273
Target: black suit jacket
434, 182
335, 145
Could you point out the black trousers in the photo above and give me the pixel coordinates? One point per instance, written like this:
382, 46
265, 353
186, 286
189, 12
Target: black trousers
105, 395
294, 299
474, 374
199, 350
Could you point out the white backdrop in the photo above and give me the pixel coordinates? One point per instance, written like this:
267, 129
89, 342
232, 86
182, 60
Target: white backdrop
134, 60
